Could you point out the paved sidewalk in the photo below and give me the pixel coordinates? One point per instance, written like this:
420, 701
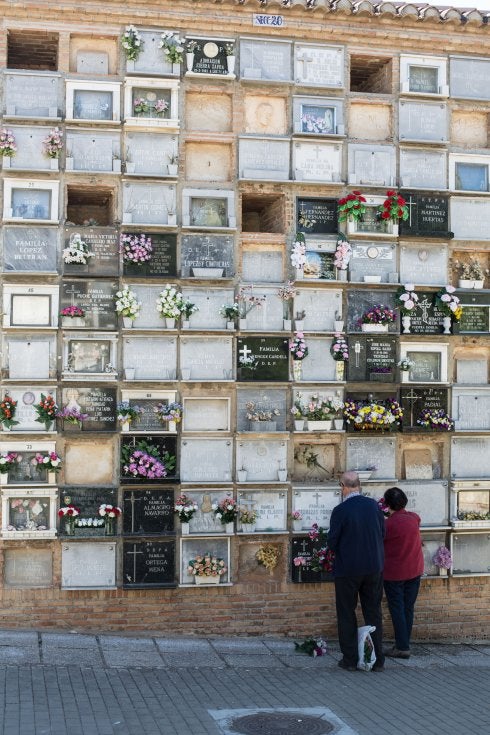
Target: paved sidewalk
55, 684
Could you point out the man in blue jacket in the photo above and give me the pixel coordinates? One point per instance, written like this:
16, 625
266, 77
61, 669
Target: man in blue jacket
356, 536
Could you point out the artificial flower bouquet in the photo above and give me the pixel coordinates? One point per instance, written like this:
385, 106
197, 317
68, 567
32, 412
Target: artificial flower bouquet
127, 305
131, 43
143, 461
109, 511
443, 558
69, 512
172, 46
322, 558
343, 253
46, 410
394, 207
312, 646
8, 147
135, 249
256, 413
73, 312
248, 299
206, 565
296, 515
229, 311
352, 207
77, 251
126, 413
170, 302
8, 408
378, 416
168, 412
436, 419
298, 347
405, 364
226, 510
7, 460
185, 507
140, 106
448, 303
378, 314
50, 461
72, 415
248, 517
298, 410
339, 348
407, 299
318, 409
53, 143
188, 309
298, 252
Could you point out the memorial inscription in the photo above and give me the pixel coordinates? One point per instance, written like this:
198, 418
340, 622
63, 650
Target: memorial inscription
102, 243
149, 564
316, 216
96, 298
428, 216
263, 358
372, 358
98, 403
30, 249
148, 512
207, 256
417, 399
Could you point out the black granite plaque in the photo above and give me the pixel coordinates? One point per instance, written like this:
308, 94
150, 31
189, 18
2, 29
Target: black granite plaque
161, 448
87, 500
372, 358
163, 261
360, 301
269, 359
317, 216
148, 512
475, 318
25, 469
99, 403
103, 242
303, 547
209, 56
428, 216
96, 298
417, 398
30, 249
427, 318
149, 564
206, 256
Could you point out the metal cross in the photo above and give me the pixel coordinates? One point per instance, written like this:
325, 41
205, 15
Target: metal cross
410, 203
304, 546
132, 501
357, 350
317, 496
424, 306
244, 352
411, 398
71, 292
134, 553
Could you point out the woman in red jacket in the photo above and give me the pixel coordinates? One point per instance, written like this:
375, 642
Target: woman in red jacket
404, 564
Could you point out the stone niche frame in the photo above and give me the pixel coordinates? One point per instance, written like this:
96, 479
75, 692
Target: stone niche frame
215, 546
252, 64
440, 349
321, 116
271, 506
381, 170
199, 415
470, 407
110, 88
107, 364
27, 398
77, 139
469, 173
317, 161
272, 453
221, 209
427, 117
46, 212
217, 452
150, 155
477, 499
88, 565
370, 226
423, 168
30, 155
40, 304
470, 85
256, 167
469, 217
146, 399
212, 49
136, 193
424, 76
29, 356
30, 448
195, 363
40, 83
307, 74
481, 544
27, 495
151, 59
169, 88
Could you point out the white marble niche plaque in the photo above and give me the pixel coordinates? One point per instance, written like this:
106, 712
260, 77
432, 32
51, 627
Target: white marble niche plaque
265, 60
469, 218
262, 459
319, 366
315, 160
209, 302
470, 457
373, 259
93, 101
271, 507
468, 77
30, 306
206, 359
206, 460
315, 505
152, 92
269, 316
27, 399
423, 265
427, 122
423, 168
30, 201
209, 413
263, 158
30, 249
372, 165
30, 357
88, 565
321, 307
318, 116
148, 203
319, 66
151, 58
30, 154
471, 554
94, 150
262, 266
204, 519
374, 451
429, 499
150, 358
32, 95
149, 154
471, 409
472, 371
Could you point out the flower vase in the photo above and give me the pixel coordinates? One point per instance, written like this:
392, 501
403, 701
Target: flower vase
206, 580
110, 526
242, 475
338, 326
230, 326
478, 284
4, 478
286, 325
297, 370
446, 323
184, 528
185, 373
125, 426
248, 527
51, 477
170, 322
406, 322
229, 528
324, 425
230, 64
242, 323
299, 424
186, 324
339, 369
404, 375
6, 428
172, 426
338, 424
53, 164
129, 373
299, 325
189, 60
69, 527
342, 274
465, 283
127, 322
442, 572
297, 525
282, 475
172, 169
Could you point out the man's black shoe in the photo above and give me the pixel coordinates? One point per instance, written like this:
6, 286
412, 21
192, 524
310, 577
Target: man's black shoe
344, 665
378, 667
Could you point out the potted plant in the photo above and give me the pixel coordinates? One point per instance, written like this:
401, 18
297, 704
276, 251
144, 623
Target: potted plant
319, 414
394, 208
69, 514
298, 255
247, 300
187, 310
229, 49
352, 207
131, 43
126, 414
169, 305
287, 293
435, 419
169, 413
51, 462
127, 306
144, 462
298, 411
299, 350
260, 419
72, 417
226, 510
230, 312
6, 461
206, 568
248, 519
465, 280
383, 415
407, 302
186, 508
173, 164
472, 274
173, 49
8, 147
404, 365
52, 146
8, 408
46, 410
342, 256
377, 318
76, 252
110, 514
450, 306
443, 560
339, 350
296, 517
136, 249
72, 316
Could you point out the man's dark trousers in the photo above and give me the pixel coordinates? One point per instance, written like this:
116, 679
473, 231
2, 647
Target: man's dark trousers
368, 589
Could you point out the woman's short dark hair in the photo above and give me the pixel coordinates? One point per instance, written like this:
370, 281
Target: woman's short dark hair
395, 498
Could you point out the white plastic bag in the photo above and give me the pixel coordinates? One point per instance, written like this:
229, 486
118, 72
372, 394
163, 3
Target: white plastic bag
365, 648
